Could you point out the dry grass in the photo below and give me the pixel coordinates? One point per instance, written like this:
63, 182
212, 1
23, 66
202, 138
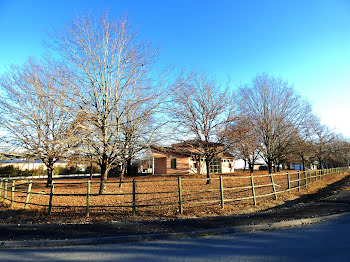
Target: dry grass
199, 199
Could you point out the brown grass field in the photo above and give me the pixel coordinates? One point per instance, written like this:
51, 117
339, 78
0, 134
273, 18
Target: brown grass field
157, 197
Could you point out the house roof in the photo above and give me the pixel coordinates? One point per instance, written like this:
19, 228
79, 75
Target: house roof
173, 150
195, 143
182, 149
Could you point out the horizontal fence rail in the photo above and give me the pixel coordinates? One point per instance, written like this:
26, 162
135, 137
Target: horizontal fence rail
171, 194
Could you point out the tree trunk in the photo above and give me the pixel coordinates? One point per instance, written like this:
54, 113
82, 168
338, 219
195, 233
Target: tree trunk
50, 170
251, 166
207, 165
303, 163
269, 165
128, 167
319, 163
122, 173
104, 175
245, 163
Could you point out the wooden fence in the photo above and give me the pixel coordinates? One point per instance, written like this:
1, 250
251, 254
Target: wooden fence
171, 195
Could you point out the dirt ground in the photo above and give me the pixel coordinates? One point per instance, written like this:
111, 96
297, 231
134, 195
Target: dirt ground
157, 197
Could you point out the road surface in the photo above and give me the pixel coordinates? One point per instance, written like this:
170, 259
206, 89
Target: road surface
329, 241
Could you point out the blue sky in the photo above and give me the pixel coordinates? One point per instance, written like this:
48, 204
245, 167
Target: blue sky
305, 42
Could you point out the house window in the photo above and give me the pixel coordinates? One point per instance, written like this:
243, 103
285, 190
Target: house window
215, 166
173, 163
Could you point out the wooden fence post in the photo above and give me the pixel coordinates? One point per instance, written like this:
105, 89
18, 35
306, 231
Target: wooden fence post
180, 195
253, 189
28, 194
306, 178
5, 192
133, 197
222, 192
288, 178
310, 180
298, 180
51, 196
273, 186
12, 193
88, 199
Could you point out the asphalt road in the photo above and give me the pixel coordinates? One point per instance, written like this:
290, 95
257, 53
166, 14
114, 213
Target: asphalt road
329, 241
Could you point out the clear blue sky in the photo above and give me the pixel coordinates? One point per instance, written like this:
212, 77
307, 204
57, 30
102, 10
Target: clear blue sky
305, 42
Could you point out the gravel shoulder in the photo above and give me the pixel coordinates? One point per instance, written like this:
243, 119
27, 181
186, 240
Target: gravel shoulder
333, 199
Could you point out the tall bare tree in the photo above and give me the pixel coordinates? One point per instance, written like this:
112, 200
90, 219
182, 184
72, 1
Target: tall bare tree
109, 71
31, 113
277, 111
323, 138
301, 146
339, 152
202, 110
246, 139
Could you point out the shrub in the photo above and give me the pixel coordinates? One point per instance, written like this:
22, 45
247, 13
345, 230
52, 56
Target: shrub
11, 171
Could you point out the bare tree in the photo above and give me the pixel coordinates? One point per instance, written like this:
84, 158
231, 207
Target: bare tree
31, 113
137, 134
339, 152
202, 112
322, 141
109, 73
246, 139
301, 146
276, 111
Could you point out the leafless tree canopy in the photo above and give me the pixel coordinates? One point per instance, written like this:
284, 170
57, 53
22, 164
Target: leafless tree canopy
244, 135
202, 111
277, 112
32, 114
322, 142
108, 69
